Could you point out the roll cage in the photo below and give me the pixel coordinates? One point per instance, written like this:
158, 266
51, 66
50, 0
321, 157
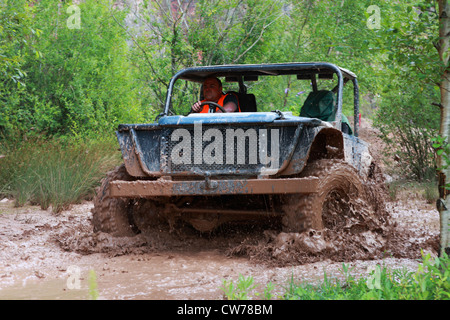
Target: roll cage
250, 72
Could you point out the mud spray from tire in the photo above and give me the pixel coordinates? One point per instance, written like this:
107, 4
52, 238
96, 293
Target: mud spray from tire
354, 225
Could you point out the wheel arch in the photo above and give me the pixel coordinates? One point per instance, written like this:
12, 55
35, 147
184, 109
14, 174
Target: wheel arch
315, 144
327, 144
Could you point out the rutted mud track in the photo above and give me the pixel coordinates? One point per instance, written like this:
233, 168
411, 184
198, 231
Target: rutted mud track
38, 251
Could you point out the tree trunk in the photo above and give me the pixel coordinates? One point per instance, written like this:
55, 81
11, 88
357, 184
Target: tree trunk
443, 48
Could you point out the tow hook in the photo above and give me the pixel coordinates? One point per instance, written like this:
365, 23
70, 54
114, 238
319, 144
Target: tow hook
210, 184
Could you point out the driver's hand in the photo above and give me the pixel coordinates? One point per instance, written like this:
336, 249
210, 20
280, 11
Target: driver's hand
196, 107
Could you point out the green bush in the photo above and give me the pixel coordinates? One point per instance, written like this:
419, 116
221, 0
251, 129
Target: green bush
72, 80
408, 122
245, 289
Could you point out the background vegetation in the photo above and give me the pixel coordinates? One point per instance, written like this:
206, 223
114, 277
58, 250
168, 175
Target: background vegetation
71, 72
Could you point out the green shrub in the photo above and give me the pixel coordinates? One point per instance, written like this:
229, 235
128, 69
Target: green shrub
245, 289
408, 122
239, 291
71, 80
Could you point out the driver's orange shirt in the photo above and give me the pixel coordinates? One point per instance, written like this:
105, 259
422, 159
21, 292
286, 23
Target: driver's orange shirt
220, 102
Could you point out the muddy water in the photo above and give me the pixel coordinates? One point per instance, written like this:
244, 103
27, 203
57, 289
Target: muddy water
173, 277
43, 256
145, 276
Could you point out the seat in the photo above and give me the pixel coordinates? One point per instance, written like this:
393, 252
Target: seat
320, 104
247, 101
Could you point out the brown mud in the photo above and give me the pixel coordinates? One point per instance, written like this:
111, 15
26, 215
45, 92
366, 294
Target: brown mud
47, 256
39, 251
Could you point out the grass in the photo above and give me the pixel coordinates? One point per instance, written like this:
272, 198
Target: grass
427, 190
48, 173
245, 288
93, 287
431, 281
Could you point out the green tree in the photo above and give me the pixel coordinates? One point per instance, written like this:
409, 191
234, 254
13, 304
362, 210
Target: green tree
169, 36
442, 46
83, 80
414, 49
18, 37
409, 64
76, 76
408, 122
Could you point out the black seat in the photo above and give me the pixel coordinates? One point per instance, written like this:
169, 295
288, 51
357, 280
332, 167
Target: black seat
247, 101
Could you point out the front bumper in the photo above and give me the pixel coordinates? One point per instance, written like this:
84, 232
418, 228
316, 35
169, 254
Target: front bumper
207, 187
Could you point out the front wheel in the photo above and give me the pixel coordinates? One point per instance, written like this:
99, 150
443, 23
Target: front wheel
111, 215
336, 205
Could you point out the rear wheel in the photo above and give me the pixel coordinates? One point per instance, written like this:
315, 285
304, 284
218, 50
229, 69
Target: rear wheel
339, 195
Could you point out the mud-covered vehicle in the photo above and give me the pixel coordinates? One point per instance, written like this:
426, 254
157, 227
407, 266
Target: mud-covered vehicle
207, 169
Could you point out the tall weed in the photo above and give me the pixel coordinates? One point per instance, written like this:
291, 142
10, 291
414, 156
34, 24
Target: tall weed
51, 174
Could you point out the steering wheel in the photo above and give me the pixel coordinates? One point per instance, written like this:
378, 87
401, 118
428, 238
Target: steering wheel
212, 105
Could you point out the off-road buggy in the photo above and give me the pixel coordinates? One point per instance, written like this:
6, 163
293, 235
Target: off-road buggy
215, 168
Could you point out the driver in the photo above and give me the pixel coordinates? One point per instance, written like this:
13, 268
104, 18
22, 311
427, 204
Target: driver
212, 91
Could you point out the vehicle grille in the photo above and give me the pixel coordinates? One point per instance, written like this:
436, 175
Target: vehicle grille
223, 150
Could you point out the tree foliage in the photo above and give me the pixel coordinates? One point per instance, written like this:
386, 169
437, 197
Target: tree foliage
408, 115
58, 78
72, 80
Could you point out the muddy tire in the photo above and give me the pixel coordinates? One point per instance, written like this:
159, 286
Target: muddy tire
111, 215
340, 194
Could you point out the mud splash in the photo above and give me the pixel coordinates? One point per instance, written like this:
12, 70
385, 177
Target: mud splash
158, 238
365, 236
289, 249
360, 229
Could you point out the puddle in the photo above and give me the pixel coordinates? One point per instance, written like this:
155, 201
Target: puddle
55, 289
34, 265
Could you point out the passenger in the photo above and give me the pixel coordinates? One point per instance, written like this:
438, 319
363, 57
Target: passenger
212, 91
